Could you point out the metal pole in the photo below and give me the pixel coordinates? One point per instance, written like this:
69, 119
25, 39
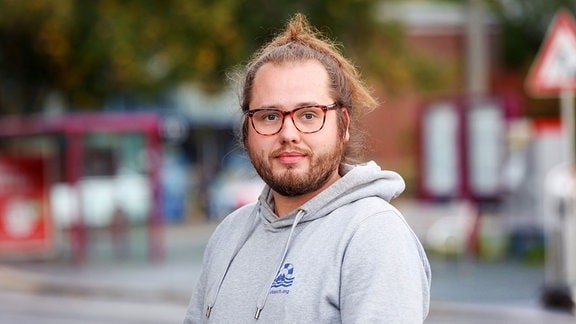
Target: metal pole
567, 112
78, 231
156, 251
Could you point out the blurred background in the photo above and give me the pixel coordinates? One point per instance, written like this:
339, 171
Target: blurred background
118, 153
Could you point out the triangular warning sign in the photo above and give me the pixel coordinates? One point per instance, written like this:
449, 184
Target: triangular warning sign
554, 69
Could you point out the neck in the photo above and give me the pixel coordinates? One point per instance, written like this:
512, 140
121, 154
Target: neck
283, 205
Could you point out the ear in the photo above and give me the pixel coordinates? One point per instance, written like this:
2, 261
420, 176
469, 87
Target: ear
347, 132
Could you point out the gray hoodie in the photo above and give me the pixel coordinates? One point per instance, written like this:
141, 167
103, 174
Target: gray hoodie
345, 256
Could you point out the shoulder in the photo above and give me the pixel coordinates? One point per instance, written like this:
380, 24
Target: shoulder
374, 211
239, 215
375, 221
380, 233
232, 225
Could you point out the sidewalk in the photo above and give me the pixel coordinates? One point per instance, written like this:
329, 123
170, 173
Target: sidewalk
463, 290
131, 277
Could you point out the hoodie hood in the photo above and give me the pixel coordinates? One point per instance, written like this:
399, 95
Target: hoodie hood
357, 182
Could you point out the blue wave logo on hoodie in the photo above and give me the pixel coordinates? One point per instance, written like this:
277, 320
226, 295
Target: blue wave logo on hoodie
285, 277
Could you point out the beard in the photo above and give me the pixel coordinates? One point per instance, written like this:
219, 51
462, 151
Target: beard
289, 182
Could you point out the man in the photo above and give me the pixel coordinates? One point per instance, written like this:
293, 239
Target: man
322, 244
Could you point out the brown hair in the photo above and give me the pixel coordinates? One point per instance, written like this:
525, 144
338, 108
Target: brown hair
299, 42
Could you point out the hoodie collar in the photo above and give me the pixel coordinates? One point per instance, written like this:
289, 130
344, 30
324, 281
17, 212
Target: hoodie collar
358, 181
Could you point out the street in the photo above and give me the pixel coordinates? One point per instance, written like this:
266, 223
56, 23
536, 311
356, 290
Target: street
25, 308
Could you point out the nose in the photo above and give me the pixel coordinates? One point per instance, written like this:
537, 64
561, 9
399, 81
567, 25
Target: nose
289, 132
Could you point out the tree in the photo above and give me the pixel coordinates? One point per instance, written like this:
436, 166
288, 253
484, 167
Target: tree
90, 51
524, 25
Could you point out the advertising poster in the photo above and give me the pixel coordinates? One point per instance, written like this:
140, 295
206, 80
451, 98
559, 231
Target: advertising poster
25, 223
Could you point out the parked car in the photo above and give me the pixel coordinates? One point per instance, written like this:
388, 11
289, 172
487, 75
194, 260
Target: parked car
237, 185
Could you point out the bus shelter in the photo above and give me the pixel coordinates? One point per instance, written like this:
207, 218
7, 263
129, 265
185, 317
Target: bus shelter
73, 133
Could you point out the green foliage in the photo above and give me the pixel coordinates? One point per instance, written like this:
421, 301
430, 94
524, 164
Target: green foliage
524, 25
91, 51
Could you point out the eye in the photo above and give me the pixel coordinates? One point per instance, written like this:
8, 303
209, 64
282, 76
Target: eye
309, 113
268, 115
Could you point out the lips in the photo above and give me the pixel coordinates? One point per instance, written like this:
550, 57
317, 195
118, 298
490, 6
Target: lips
290, 157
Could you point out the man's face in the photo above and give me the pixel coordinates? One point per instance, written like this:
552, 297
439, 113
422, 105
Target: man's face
290, 162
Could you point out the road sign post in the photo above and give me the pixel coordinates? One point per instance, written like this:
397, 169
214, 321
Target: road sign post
567, 112
553, 74
567, 115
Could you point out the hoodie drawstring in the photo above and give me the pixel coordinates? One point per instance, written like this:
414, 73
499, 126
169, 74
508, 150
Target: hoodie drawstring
215, 289
265, 292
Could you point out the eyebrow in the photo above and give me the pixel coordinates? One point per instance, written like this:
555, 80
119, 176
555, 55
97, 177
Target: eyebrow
302, 104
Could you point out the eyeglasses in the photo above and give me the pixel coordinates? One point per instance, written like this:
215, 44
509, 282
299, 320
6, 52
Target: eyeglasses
307, 119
